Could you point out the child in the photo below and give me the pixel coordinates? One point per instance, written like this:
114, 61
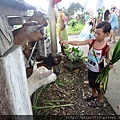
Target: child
86, 31
101, 48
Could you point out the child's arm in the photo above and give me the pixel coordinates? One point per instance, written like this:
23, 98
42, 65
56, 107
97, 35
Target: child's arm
107, 59
76, 43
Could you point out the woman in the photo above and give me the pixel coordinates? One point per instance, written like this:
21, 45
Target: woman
88, 28
106, 15
114, 24
62, 33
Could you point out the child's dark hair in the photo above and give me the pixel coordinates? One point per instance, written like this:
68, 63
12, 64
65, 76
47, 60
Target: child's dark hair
105, 25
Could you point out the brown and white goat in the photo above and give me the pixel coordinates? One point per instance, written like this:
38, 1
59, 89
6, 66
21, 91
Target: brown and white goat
27, 34
39, 17
51, 60
40, 76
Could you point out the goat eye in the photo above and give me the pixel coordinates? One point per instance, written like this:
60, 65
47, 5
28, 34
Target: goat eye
35, 23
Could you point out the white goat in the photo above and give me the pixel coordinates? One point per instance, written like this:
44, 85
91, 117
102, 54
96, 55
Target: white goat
41, 76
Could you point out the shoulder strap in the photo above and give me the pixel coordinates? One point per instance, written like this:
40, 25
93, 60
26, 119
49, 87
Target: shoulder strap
105, 49
92, 43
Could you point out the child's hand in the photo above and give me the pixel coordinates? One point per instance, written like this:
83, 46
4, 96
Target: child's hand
110, 66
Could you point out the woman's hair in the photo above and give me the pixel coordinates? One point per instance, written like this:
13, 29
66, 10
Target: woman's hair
113, 9
59, 9
105, 25
106, 15
91, 22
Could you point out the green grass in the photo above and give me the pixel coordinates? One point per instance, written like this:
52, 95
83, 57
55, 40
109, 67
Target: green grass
71, 30
75, 30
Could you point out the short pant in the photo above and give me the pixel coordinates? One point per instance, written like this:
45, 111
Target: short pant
92, 76
114, 28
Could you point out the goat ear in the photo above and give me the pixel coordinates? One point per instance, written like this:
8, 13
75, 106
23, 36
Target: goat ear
31, 29
35, 11
35, 66
45, 74
41, 13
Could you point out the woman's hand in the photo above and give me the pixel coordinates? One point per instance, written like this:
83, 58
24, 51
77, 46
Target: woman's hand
63, 43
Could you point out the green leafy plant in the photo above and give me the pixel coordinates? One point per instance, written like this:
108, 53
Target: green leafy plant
72, 23
74, 55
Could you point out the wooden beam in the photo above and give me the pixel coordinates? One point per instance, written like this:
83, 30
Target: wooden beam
15, 20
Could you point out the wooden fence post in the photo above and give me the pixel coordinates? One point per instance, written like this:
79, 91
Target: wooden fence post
52, 28
14, 95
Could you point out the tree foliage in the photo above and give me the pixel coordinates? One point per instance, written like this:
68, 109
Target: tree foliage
73, 8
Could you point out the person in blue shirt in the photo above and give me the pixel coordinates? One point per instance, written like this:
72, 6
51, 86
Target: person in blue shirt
114, 24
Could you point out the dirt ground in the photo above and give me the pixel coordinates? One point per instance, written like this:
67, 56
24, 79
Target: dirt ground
65, 95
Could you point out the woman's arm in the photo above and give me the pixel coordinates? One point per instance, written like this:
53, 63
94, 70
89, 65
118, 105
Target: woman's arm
111, 18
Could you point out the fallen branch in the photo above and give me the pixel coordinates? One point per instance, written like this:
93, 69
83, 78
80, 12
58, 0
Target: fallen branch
54, 106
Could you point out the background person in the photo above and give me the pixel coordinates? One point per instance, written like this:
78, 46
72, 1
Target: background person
86, 16
86, 32
114, 24
66, 22
62, 33
107, 15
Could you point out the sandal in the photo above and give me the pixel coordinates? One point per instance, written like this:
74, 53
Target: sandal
86, 82
89, 97
95, 103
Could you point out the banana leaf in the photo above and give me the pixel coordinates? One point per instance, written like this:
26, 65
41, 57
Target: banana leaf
104, 73
116, 49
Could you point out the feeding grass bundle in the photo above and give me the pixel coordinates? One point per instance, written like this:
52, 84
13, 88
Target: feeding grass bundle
102, 79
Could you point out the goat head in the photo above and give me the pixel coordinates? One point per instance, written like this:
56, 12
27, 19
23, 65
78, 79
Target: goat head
41, 76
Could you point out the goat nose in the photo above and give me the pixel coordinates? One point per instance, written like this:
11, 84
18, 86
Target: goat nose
46, 24
64, 57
